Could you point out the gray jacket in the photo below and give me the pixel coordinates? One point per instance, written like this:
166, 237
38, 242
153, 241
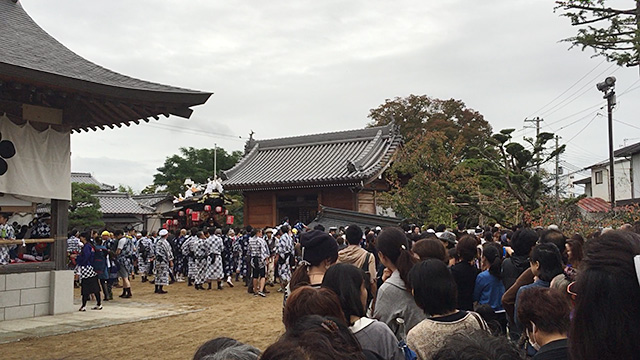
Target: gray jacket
394, 301
375, 336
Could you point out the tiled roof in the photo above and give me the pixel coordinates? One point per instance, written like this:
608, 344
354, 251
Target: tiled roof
31, 56
594, 205
627, 150
87, 178
329, 217
120, 203
151, 200
346, 157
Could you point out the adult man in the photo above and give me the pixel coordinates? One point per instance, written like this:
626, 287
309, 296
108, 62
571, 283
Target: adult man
124, 257
258, 252
111, 244
145, 254
201, 255
163, 259
6, 233
188, 251
356, 255
215, 270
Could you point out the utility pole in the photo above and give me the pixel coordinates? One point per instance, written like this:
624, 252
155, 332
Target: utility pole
215, 161
537, 121
608, 88
557, 173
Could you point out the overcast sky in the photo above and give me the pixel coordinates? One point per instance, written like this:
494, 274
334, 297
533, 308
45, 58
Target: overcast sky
285, 68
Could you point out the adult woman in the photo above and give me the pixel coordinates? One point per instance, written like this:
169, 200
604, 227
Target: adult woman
607, 307
100, 266
573, 248
430, 249
394, 300
319, 251
306, 300
465, 271
521, 243
88, 277
435, 292
544, 313
489, 288
348, 282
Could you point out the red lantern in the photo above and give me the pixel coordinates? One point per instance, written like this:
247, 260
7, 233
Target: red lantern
164, 226
169, 222
175, 222
188, 211
195, 216
229, 219
226, 212
218, 209
180, 213
207, 208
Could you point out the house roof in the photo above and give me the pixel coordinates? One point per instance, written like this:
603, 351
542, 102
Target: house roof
627, 150
584, 181
605, 163
338, 158
329, 217
87, 178
594, 205
41, 71
121, 203
151, 200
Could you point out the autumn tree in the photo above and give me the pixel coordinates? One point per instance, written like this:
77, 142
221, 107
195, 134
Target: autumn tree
84, 208
196, 164
611, 32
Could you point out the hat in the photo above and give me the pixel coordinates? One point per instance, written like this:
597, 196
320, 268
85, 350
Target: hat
105, 233
317, 246
294, 230
378, 228
163, 232
447, 236
268, 230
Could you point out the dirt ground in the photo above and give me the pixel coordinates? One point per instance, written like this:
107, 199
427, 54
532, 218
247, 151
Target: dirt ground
229, 312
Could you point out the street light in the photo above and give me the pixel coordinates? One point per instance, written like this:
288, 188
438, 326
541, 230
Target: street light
608, 88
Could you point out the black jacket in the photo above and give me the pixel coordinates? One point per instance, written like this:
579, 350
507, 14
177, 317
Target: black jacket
512, 268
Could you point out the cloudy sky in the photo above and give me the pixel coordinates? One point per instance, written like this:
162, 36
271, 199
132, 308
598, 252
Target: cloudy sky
283, 68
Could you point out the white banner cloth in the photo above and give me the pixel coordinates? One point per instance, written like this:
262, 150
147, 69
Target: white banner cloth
41, 167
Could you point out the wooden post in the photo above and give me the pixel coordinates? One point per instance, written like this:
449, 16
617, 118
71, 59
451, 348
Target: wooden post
59, 227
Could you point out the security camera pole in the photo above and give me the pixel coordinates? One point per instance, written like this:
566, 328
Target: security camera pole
608, 88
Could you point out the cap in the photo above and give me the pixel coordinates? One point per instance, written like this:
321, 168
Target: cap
268, 230
105, 233
317, 246
163, 232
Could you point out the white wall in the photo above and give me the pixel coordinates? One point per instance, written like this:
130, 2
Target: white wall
622, 174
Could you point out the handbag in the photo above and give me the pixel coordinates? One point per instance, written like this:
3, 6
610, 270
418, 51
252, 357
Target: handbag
87, 271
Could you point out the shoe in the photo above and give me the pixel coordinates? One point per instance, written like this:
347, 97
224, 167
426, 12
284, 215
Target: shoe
161, 292
144, 279
219, 286
97, 307
280, 290
260, 293
84, 308
105, 299
266, 291
230, 282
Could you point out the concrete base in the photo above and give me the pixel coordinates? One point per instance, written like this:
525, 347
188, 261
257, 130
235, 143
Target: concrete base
61, 292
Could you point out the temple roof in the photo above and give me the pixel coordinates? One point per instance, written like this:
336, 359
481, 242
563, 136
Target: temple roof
87, 178
39, 70
332, 217
340, 158
121, 203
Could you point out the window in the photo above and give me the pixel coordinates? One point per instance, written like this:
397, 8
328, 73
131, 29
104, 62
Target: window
599, 177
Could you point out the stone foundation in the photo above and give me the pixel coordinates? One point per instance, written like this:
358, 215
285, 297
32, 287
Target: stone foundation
32, 294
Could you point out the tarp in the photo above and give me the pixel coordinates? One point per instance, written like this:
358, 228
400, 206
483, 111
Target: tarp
41, 165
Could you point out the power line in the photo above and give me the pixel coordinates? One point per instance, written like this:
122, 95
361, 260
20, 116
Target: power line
586, 126
194, 131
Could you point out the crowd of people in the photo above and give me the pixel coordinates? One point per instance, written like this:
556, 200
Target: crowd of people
413, 293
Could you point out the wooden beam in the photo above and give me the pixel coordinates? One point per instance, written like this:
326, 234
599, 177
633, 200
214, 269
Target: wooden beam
59, 228
182, 112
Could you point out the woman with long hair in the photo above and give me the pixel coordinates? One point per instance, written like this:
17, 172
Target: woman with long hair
489, 287
348, 282
574, 251
394, 302
319, 251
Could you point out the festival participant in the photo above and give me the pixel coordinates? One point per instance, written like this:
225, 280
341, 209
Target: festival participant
124, 254
306, 300
544, 314
489, 288
270, 239
349, 283
228, 260
435, 292
465, 272
74, 247
285, 250
188, 251
215, 269
319, 251
546, 263
163, 261
201, 254
259, 252
244, 266
6, 233
88, 277
607, 299
145, 254
111, 244
100, 266
180, 263
355, 255
394, 300
478, 344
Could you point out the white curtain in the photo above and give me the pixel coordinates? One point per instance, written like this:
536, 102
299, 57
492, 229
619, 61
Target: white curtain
41, 166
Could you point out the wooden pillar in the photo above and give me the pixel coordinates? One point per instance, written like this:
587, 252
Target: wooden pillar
59, 227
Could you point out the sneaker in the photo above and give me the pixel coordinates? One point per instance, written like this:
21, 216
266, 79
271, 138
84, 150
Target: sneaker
97, 307
280, 290
84, 308
230, 282
260, 293
162, 292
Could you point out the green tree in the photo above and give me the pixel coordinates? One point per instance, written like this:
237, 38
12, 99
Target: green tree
125, 189
149, 189
196, 164
84, 209
610, 32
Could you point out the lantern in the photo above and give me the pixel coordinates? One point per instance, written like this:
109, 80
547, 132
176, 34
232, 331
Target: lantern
169, 222
195, 216
164, 226
188, 211
226, 212
207, 208
229, 219
218, 209
175, 222
180, 213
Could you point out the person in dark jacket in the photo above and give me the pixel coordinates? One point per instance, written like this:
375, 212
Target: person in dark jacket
100, 267
522, 243
465, 272
88, 276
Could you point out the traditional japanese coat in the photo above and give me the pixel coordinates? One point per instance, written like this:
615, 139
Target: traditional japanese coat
163, 255
188, 250
215, 269
285, 250
6, 233
146, 252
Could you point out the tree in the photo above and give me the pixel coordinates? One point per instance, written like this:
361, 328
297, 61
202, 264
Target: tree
84, 209
516, 166
418, 114
612, 33
125, 189
196, 164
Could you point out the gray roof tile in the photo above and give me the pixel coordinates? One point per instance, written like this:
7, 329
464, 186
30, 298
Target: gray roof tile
313, 160
120, 203
87, 178
151, 200
329, 217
